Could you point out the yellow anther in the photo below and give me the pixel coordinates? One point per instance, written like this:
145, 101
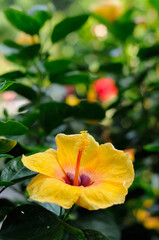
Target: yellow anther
83, 142
83, 132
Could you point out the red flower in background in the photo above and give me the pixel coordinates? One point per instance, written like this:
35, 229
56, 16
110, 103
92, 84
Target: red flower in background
105, 88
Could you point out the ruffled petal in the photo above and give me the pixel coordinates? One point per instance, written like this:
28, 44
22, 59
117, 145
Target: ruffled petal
102, 195
45, 163
46, 189
67, 150
110, 164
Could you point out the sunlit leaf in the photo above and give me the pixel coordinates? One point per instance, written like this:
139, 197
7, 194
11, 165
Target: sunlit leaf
155, 4
6, 145
6, 156
4, 85
153, 147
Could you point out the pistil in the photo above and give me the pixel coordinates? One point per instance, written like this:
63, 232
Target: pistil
77, 168
82, 145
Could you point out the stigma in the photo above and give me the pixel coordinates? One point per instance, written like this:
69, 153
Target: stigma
83, 142
81, 147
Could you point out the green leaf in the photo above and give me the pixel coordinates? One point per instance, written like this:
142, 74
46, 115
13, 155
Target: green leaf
93, 235
52, 114
19, 53
86, 110
77, 233
124, 26
155, 4
153, 147
6, 183
71, 78
52, 207
40, 13
30, 118
15, 171
67, 26
12, 128
29, 52
6, 145
6, 156
102, 20
123, 30
9, 47
146, 53
12, 44
98, 221
31, 222
111, 67
22, 21
4, 85
57, 66
12, 75
6, 206
25, 53
24, 91
127, 15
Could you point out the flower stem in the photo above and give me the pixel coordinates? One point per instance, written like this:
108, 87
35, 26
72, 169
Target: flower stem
68, 213
60, 211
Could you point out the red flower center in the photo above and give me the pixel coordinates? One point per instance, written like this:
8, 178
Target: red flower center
83, 180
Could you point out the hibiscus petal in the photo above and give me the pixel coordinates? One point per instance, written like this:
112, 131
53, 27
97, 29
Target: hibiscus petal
102, 195
67, 150
52, 151
110, 164
46, 189
44, 162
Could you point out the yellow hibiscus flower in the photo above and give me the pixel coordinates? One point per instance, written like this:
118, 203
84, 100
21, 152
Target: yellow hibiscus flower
81, 171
